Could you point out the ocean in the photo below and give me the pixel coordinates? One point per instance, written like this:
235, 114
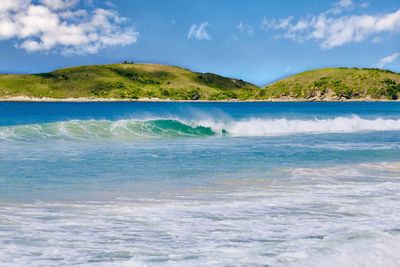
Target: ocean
200, 184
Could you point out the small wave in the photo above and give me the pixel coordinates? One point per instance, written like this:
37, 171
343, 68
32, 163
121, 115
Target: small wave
159, 128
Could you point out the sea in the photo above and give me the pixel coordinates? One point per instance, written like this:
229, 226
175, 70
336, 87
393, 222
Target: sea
200, 184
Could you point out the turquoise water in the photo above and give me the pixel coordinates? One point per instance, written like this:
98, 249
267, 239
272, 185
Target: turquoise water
199, 184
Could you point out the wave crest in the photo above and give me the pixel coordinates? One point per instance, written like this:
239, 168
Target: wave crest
283, 126
159, 128
103, 129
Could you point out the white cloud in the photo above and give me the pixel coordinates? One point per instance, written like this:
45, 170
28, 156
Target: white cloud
274, 24
377, 40
244, 28
59, 4
58, 25
12, 5
344, 3
199, 32
364, 4
386, 60
330, 29
110, 4
341, 6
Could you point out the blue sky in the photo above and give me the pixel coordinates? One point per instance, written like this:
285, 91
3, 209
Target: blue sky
256, 40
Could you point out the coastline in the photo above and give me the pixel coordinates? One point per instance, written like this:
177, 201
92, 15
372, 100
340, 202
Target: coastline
89, 99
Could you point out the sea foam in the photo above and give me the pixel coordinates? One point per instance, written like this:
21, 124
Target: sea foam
266, 126
176, 127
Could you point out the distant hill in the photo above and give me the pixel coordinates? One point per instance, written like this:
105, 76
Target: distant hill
337, 84
127, 81
137, 81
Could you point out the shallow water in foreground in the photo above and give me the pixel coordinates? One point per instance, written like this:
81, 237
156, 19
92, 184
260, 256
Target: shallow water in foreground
228, 184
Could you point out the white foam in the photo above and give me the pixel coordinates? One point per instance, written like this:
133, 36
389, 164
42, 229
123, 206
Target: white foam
378, 249
266, 126
133, 128
348, 223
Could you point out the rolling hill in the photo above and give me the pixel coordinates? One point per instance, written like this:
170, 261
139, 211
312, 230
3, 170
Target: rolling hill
152, 81
126, 81
337, 84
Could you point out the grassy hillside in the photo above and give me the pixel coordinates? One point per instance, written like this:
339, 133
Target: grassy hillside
134, 81
336, 84
127, 81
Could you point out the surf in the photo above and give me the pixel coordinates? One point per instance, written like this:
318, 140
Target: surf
177, 127
284, 126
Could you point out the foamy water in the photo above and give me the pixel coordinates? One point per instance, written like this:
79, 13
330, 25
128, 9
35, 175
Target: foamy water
301, 220
213, 185
261, 126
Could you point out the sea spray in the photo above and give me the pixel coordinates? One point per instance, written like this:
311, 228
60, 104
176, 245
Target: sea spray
266, 126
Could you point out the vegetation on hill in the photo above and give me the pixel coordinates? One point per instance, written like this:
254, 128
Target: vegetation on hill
337, 84
127, 81
135, 81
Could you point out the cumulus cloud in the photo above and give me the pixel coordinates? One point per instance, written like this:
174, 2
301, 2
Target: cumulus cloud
59, 25
244, 28
199, 32
386, 60
331, 29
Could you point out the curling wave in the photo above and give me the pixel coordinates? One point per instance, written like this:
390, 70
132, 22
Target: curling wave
159, 128
103, 129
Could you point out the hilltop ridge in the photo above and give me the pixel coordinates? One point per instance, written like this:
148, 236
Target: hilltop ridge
331, 84
128, 81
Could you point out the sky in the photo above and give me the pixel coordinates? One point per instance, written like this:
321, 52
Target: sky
259, 41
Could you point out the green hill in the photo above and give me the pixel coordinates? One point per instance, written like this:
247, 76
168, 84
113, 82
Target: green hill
337, 84
135, 81
126, 81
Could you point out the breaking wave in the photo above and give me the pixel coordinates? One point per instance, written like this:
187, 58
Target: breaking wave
103, 129
159, 128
